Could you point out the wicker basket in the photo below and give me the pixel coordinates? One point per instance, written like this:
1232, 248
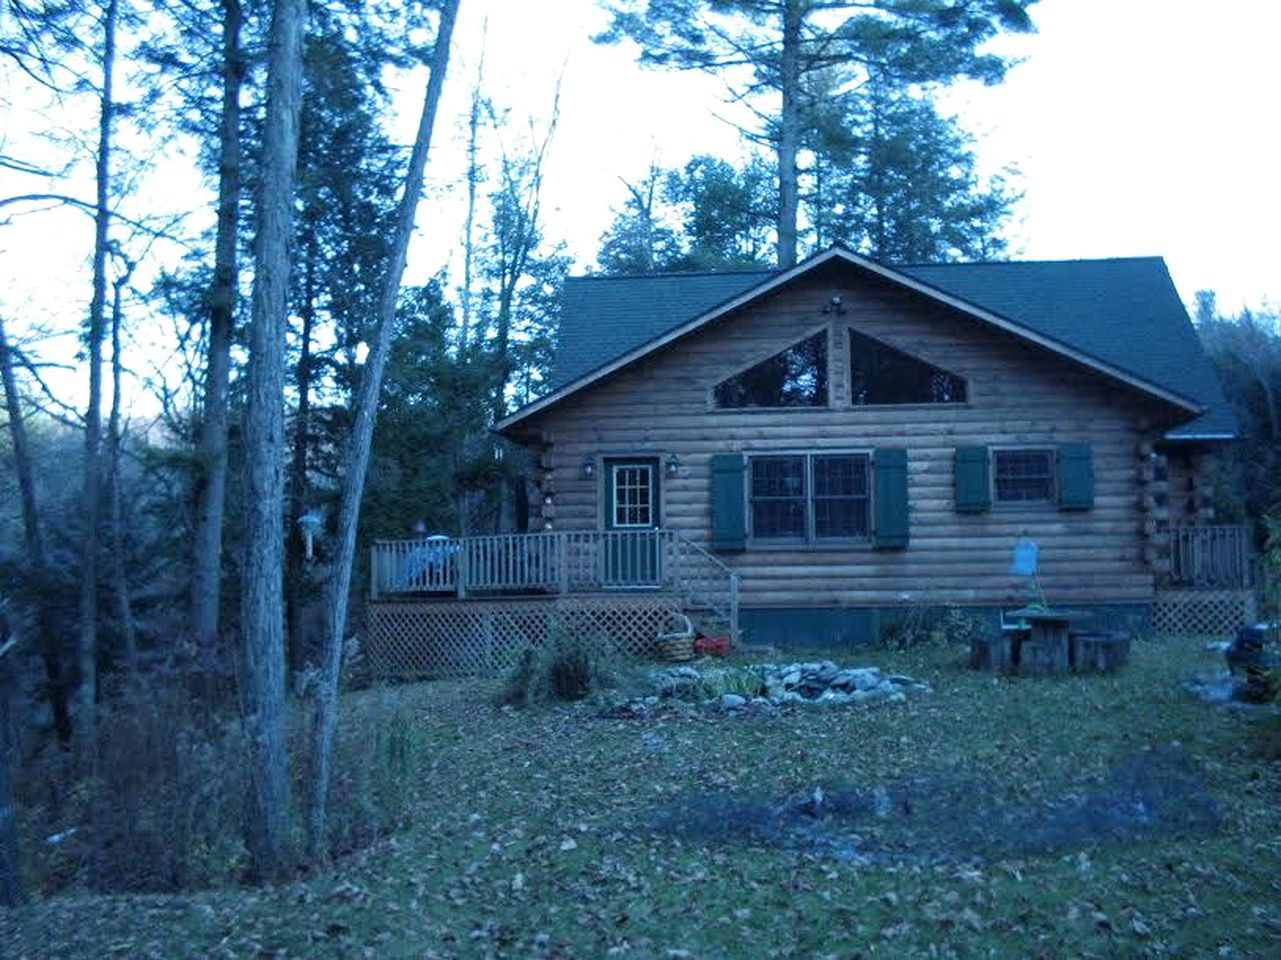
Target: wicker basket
677, 644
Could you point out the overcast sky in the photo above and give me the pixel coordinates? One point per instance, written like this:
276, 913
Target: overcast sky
1140, 127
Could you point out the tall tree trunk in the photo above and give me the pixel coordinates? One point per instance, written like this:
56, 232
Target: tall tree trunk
789, 134
12, 892
361, 439
297, 483
211, 477
469, 228
87, 642
515, 246
262, 674
33, 542
876, 172
119, 571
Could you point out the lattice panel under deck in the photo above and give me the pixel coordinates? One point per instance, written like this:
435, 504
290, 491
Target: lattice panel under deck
1195, 613
480, 637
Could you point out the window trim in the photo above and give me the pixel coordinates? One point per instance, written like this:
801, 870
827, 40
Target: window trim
810, 540
848, 384
1051, 500
761, 358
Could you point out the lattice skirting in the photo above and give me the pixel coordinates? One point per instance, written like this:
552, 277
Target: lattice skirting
483, 637
1192, 613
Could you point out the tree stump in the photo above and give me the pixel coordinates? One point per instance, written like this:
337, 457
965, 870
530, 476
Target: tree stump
1101, 652
990, 653
1040, 658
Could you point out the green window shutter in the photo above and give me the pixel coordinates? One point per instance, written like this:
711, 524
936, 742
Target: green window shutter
729, 506
890, 470
973, 479
1076, 476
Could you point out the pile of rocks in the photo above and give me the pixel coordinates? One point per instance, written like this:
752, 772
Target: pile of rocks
775, 684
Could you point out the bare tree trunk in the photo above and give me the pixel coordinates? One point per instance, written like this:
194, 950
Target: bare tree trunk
12, 892
119, 571
297, 483
87, 642
262, 613
876, 156
789, 134
211, 477
473, 182
515, 249
361, 441
34, 544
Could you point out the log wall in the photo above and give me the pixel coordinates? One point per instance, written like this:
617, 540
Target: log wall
1018, 394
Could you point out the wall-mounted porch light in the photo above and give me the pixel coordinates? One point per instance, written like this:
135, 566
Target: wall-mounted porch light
588, 469
673, 466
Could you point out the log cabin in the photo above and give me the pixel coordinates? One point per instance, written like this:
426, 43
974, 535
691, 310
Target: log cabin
808, 451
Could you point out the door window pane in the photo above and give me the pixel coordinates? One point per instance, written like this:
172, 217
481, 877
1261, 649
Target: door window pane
633, 496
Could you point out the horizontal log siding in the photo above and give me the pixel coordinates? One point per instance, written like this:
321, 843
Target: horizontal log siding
1018, 394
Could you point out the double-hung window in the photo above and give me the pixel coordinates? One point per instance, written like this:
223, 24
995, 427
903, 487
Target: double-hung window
810, 497
1023, 475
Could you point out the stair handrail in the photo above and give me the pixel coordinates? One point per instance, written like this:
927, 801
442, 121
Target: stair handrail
730, 609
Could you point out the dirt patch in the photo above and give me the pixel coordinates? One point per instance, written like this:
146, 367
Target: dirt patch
944, 817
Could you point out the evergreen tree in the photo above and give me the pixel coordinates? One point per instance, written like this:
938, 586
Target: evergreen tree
898, 181
708, 215
347, 172
769, 50
727, 213
640, 240
1246, 352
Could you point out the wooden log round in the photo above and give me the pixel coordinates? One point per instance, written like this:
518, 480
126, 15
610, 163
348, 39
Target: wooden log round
1101, 652
990, 653
1037, 659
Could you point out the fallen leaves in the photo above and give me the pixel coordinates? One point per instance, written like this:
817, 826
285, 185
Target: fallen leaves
531, 837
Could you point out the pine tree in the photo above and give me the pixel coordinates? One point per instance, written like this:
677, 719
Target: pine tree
769, 50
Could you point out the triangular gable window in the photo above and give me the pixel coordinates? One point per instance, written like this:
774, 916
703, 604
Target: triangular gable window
881, 374
797, 377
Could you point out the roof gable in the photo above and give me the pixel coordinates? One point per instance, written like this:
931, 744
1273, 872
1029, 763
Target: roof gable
1119, 316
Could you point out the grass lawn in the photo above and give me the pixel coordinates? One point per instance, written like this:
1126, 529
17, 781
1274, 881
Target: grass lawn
533, 835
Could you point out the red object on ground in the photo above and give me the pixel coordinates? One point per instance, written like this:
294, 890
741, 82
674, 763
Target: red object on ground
713, 646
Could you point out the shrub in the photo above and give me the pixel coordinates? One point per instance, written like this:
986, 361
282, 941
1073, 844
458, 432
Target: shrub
374, 783
919, 624
568, 667
160, 806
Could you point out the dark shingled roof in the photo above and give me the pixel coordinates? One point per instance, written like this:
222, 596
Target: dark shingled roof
1123, 312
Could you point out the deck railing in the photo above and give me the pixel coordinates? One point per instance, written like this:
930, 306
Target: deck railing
1216, 556
558, 562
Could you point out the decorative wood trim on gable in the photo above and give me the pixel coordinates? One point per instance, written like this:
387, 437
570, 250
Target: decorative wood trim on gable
838, 253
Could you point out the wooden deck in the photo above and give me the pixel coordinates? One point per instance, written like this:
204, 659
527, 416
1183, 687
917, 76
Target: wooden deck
445, 606
561, 563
